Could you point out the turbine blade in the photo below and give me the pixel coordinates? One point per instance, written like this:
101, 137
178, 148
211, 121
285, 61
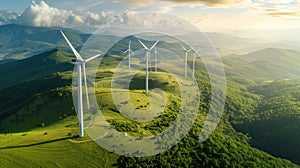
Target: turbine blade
129, 44
182, 47
132, 53
143, 44
189, 50
93, 57
126, 51
85, 84
197, 53
154, 44
71, 46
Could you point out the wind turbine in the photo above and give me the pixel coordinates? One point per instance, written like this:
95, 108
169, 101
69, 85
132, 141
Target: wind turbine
80, 67
147, 55
130, 53
194, 60
155, 53
186, 57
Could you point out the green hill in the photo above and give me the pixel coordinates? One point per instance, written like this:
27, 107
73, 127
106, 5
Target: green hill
263, 101
43, 133
265, 65
274, 123
38, 123
35, 67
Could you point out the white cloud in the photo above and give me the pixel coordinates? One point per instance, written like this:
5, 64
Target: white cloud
288, 9
135, 2
276, 2
246, 14
249, 19
41, 14
186, 2
7, 17
149, 20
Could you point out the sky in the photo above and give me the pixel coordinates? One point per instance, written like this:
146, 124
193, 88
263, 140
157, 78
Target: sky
208, 15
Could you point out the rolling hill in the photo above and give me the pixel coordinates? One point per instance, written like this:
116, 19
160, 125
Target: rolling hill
41, 65
266, 105
274, 123
265, 65
42, 130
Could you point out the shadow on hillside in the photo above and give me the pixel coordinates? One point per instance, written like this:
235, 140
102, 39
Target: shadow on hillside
39, 143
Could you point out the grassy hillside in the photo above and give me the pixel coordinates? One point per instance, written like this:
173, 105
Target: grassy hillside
35, 67
44, 134
15, 97
38, 124
226, 148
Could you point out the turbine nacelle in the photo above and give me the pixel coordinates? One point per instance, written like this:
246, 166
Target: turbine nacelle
77, 62
186, 50
146, 48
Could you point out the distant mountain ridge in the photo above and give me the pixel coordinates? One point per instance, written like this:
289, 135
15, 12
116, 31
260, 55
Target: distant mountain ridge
18, 42
269, 63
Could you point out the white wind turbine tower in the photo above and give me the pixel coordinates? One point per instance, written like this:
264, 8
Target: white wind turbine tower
155, 53
130, 53
80, 67
186, 58
147, 55
194, 61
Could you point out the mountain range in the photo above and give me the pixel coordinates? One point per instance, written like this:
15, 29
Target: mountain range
20, 42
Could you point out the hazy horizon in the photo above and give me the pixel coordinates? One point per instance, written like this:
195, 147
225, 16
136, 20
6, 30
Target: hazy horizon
241, 18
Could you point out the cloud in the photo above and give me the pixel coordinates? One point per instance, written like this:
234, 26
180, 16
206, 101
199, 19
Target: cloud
149, 20
275, 2
205, 2
282, 13
183, 2
135, 2
246, 20
41, 14
7, 17
278, 8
